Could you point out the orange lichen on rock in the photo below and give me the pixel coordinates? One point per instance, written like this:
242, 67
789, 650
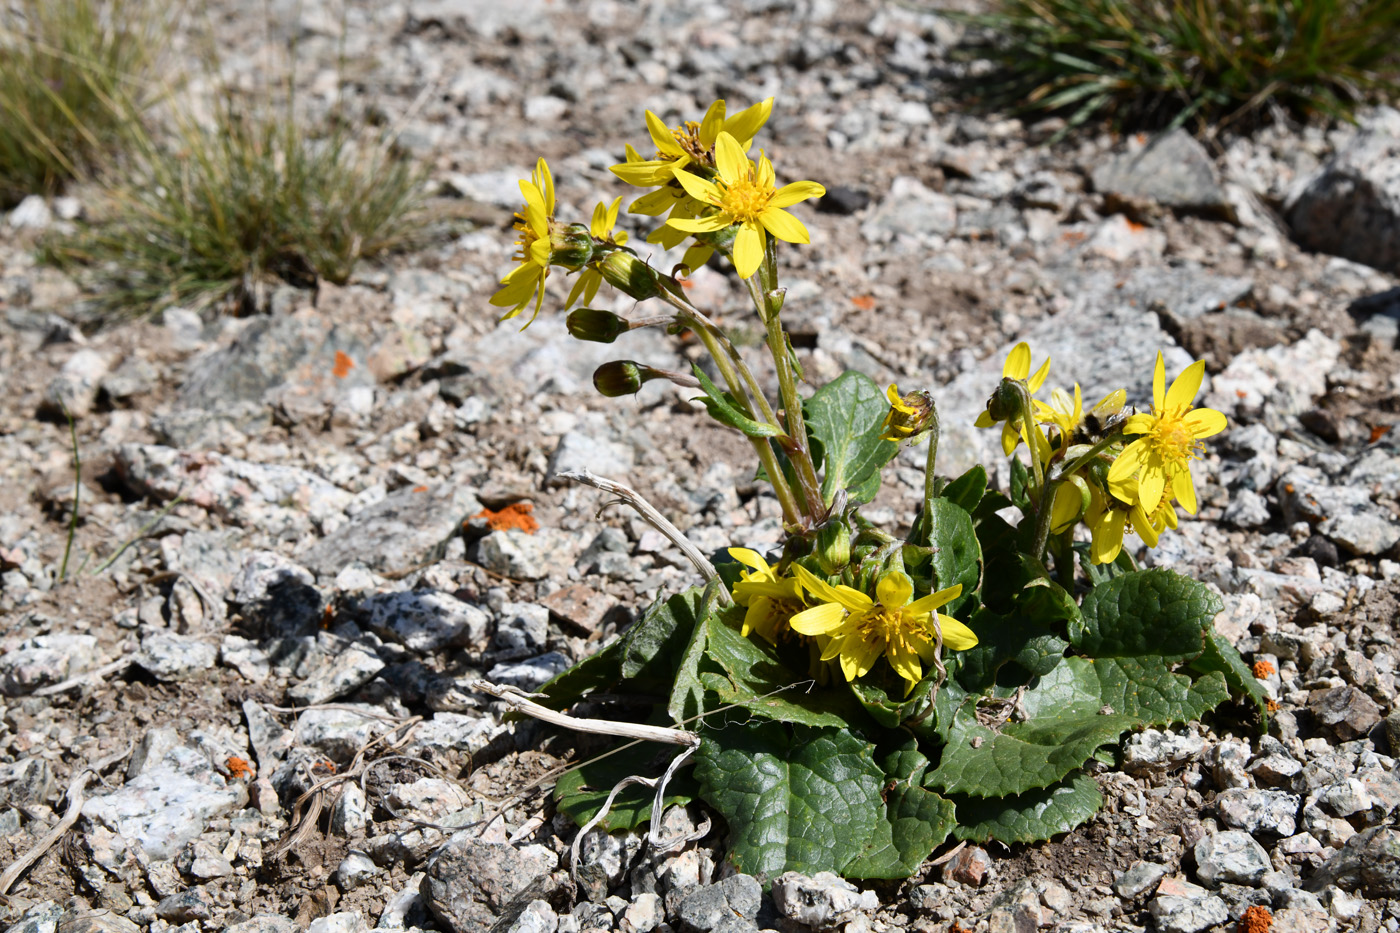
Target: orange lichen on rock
1263, 669
1256, 919
515, 515
238, 768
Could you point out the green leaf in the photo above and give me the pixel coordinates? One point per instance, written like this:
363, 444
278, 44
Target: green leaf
596, 672
1034, 816
916, 820
847, 416
966, 491
1221, 656
1080, 705
795, 798
1020, 483
1001, 639
1151, 612
652, 648
581, 792
688, 695
957, 555
1102, 573
750, 672
722, 408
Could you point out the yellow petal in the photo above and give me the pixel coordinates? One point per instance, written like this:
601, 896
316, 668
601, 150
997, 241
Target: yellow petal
751, 559
853, 600
1035, 382
905, 663
699, 224
748, 249
1143, 526
1159, 383
1010, 437
819, 620
784, 226
1150, 486
1125, 466
661, 136
1184, 489
934, 600
698, 188
1018, 362
1204, 422
712, 123
1108, 538
545, 180
1185, 386
956, 636
1066, 509
984, 419
745, 124
730, 160
858, 656
696, 256
788, 195
575, 293
894, 589
763, 176
646, 174
1139, 424
892, 393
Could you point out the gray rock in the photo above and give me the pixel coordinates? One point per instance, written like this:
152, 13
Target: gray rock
1173, 170
522, 629
202, 861
531, 674
134, 377
1152, 750
704, 909
1182, 907
1138, 878
44, 660
264, 923
515, 553
1231, 858
426, 620
32, 213
1366, 532
1247, 509
1276, 769
1346, 712
39, 918
339, 733
96, 921
401, 531
346, 672
349, 921
469, 883
1259, 811
821, 901
1352, 207
354, 870
74, 389
184, 906
644, 914
912, 209
1368, 862
579, 451
350, 815
537, 917
1227, 764
169, 657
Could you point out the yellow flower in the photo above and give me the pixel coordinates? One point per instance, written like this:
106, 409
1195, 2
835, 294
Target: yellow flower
533, 224
1169, 439
1018, 366
744, 194
1109, 516
1067, 414
908, 414
863, 629
604, 219
680, 146
771, 600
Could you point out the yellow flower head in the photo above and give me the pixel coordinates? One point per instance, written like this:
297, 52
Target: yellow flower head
687, 144
1018, 366
1168, 440
771, 600
601, 229
908, 415
1109, 516
744, 194
534, 223
862, 629
1067, 413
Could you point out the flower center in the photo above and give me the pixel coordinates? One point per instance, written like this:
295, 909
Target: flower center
1172, 440
687, 136
744, 200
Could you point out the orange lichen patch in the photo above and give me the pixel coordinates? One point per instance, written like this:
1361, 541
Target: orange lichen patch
1271, 705
327, 617
1256, 919
864, 302
238, 768
515, 515
1135, 227
1379, 431
323, 767
1263, 669
343, 364
420, 488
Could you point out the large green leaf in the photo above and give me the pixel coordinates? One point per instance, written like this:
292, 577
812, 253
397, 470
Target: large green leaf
1221, 656
596, 672
745, 673
581, 792
795, 798
916, 819
1080, 705
847, 416
957, 555
1030, 817
652, 648
687, 700
966, 491
1002, 639
1151, 612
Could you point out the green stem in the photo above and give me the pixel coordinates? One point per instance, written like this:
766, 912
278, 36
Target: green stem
761, 287
1064, 558
932, 485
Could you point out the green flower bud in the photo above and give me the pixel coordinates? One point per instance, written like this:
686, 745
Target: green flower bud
1005, 401
595, 326
630, 275
620, 377
570, 246
833, 547
722, 239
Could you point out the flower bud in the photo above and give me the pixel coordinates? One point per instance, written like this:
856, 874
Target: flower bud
909, 414
570, 246
620, 377
1005, 402
833, 547
595, 326
630, 275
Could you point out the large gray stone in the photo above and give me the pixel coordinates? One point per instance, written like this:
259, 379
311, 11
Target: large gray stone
469, 883
1173, 170
1369, 862
1231, 858
401, 531
1352, 207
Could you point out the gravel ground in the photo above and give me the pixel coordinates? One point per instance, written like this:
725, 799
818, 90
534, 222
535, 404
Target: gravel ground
349, 507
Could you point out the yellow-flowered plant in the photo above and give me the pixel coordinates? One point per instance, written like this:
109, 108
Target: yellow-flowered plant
982, 649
